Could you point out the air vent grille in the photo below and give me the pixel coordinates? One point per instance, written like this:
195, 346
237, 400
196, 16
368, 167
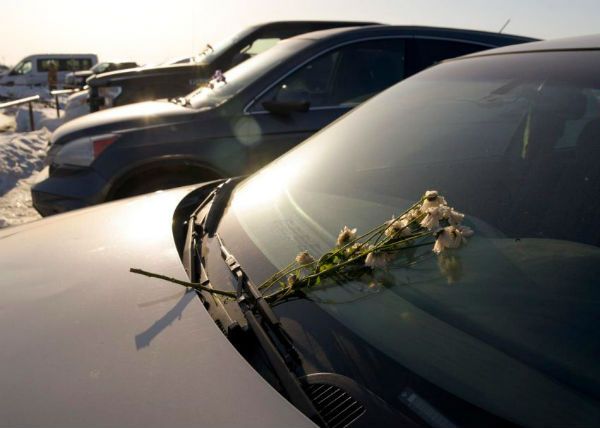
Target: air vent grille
335, 405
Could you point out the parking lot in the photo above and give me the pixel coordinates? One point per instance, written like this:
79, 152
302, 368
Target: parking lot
315, 214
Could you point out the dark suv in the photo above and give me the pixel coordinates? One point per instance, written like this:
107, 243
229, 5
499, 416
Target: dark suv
178, 79
242, 120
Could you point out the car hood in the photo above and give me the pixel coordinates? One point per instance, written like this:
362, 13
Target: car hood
102, 79
144, 114
87, 343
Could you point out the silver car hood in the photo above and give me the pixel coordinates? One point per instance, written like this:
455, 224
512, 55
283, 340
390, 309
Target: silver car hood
85, 343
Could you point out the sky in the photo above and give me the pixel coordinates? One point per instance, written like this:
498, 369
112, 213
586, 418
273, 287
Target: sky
151, 31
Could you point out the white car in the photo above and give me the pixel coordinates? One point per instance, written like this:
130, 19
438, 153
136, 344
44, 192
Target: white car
33, 70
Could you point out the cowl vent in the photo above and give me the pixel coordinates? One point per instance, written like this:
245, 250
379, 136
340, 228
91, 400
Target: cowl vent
338, 408
343, 402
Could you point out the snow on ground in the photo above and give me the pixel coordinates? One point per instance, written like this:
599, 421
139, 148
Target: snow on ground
18, 117
7, 123
43, 117
22, 156
15, 206
22, 152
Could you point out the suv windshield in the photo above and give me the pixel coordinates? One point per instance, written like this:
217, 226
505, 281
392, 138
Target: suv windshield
241, 76
507, 327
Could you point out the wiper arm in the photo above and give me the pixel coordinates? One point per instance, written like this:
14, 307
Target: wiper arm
255, 310
272, 338
244, 284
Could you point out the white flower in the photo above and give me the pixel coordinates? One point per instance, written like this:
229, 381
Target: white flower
432, 200
378, 260
433, 217
412, 214
454, 217
352, 249
397, 227
219, 76
451, 237
345, 236
304, 258
465, 231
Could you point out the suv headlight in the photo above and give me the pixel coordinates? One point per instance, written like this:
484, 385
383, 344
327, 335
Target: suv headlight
83, 151
109, 93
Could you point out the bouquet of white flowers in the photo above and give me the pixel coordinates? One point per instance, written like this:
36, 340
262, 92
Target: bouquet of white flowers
430, 217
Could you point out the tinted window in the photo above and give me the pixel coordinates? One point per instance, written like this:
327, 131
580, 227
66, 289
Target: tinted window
344, 76
75, 64
43, 65
70, 64
423, 53
508, 324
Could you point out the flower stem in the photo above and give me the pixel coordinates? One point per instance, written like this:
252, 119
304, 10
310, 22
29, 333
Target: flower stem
194, 285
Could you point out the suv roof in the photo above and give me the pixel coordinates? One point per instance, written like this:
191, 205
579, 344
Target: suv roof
375, 30
588, 42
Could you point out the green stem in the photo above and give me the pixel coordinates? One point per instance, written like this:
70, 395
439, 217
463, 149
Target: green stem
278, 275
282, 274
194, 285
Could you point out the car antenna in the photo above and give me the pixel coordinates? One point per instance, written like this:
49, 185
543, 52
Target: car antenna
504, 26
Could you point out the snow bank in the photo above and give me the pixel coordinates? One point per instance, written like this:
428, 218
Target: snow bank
7, 123
16, 207
43, 117
21, 154
21, 158
18, 117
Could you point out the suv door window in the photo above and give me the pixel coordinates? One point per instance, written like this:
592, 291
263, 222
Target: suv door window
423, 53
343, 77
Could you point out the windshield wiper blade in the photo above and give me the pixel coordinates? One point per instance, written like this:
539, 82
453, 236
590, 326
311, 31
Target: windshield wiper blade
272, 338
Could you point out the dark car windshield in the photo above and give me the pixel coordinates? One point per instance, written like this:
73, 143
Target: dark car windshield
100, 67
509, 325
214, 51
241, 76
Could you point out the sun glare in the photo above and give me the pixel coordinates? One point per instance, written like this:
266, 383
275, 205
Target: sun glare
268, 184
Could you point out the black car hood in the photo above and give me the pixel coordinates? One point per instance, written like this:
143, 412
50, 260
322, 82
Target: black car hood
201, 69
144, 114
87, 343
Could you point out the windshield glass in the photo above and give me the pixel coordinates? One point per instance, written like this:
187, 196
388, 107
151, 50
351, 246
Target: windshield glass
241, 76
23, 67
100, 67
212, 51
508, 325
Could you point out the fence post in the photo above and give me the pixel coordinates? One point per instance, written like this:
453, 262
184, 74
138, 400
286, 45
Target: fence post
31, 122
57, 109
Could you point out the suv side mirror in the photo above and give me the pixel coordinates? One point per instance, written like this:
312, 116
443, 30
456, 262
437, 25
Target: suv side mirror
285, 108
